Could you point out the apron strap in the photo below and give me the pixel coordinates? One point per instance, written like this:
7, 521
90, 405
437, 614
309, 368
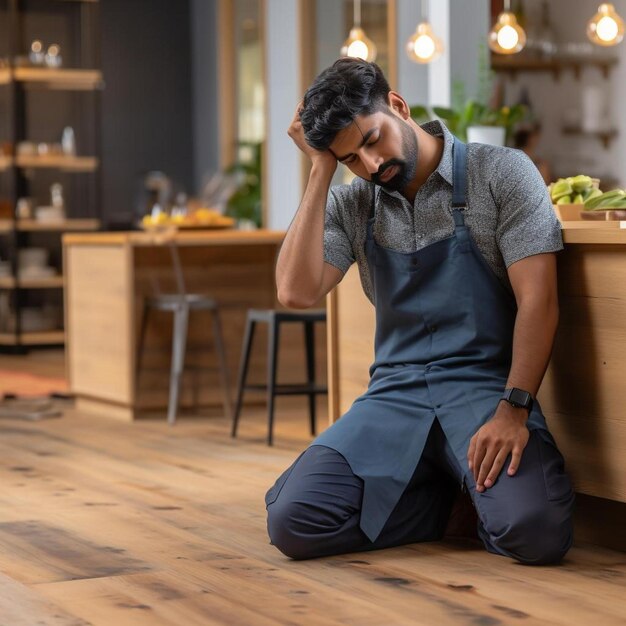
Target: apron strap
373, 205
459, 181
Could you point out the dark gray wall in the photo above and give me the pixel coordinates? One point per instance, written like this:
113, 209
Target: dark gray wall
147, 101
204, 89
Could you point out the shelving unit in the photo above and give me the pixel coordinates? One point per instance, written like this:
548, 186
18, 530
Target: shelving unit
6, 226
26, 175
605, 136
9, 282
516, 64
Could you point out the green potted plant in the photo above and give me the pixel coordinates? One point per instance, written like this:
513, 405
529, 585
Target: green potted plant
474, 121
245, 203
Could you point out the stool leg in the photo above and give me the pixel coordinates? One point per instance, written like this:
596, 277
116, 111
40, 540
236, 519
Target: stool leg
221, 355
243, 371
272, 351
142, 341
179, 342
309, 341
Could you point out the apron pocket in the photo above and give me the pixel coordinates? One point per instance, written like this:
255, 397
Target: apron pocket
558, 486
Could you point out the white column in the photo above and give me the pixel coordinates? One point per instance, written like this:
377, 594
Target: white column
439, 72
282, 166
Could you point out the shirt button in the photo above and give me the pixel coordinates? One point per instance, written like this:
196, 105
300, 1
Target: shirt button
433, 329
414, 261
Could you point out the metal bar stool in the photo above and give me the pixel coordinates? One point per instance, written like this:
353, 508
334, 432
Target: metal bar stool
181, 304
274, 318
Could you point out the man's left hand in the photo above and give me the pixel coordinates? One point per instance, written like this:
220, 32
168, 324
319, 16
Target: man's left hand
505, 433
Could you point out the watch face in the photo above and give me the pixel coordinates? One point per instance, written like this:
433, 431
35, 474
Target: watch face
520, 397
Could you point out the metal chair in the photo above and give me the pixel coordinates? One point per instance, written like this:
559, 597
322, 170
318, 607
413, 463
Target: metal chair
274, 318
181, 304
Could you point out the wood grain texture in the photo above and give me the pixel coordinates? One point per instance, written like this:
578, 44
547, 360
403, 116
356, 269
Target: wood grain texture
105, 522
107, 286
583, 394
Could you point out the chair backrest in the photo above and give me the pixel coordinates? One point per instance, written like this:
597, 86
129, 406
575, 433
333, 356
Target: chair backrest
178, 268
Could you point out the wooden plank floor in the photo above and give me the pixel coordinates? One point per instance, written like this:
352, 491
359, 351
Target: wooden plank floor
109, 523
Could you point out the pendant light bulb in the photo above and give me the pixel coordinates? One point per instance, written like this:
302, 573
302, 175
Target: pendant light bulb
358, 45
507, 36
606, 27
424, 46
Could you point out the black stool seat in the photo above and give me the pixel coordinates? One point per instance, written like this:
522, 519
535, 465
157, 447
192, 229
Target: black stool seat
266, 315
274, 318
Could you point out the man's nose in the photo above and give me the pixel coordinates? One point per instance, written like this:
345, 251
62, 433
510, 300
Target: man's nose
372, 163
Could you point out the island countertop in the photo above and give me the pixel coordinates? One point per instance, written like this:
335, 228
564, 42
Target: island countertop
199, 237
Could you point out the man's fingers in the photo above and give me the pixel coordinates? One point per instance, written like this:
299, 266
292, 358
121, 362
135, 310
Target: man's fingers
486, 466
496, 467
479, 455
470, 452
516, 457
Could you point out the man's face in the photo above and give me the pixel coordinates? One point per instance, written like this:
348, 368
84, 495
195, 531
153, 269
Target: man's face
380, 148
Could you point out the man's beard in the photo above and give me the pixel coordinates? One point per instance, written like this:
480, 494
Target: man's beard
406, 166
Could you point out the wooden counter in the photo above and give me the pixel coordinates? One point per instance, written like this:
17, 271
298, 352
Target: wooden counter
584, 391
108, 275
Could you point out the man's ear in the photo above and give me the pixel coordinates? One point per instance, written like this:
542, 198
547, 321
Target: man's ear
398, 105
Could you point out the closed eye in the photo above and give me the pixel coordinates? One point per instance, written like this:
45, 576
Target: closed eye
352, 158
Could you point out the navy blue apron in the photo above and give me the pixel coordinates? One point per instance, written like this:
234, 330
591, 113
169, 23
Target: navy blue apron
444, 334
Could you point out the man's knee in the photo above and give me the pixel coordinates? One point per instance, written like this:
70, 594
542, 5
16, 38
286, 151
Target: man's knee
536, 535
309, 509
287, 530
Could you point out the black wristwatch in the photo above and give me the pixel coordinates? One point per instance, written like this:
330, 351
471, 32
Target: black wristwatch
518, 398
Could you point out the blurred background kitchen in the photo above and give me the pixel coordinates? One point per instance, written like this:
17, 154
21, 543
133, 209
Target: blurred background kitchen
160, 127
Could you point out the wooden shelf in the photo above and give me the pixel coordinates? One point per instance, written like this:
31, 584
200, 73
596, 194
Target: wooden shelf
50, 337
5, 162
605, 136
5, 75
61, 162
62, 226
53, 282
515, 64
58, 78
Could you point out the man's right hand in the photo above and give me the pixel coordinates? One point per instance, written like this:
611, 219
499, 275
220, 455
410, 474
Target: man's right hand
321, 157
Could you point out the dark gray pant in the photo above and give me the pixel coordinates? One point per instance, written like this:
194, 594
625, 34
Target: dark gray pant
313, 510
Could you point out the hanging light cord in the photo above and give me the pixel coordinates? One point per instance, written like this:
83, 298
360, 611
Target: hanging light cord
507, 6
422, 12
357, 13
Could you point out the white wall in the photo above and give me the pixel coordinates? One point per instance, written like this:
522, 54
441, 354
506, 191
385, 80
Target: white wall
282, 166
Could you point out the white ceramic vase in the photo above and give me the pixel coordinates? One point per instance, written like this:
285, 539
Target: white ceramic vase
492, 135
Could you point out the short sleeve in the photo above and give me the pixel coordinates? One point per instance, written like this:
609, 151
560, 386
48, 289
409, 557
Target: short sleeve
527, 222
337, 247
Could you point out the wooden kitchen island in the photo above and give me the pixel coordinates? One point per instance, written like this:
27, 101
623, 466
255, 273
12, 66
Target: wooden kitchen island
108, 276
583, 394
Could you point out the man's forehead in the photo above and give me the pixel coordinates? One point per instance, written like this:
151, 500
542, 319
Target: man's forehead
352, 135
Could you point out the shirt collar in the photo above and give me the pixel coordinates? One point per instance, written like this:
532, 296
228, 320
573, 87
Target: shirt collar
438, 129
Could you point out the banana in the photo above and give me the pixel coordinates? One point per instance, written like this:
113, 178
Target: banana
596, 201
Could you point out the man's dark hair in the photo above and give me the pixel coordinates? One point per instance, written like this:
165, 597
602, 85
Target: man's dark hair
349, 87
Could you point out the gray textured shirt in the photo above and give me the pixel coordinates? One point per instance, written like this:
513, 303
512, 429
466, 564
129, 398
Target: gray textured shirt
509, 213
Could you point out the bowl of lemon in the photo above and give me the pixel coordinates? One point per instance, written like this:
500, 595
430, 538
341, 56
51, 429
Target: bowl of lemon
202, 218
